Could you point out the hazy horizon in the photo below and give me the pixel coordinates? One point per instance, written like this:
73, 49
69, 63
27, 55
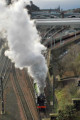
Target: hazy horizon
52, 4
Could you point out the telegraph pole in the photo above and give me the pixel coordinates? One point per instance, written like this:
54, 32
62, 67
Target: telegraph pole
53, 93
2, 99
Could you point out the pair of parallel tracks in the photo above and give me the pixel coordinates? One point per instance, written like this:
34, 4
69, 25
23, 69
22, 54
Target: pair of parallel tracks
24, 104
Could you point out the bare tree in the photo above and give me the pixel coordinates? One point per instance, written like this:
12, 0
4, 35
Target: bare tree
72, 60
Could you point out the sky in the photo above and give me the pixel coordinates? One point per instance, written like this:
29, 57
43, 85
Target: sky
64, 4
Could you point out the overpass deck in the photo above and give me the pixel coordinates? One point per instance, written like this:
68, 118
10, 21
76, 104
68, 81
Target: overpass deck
64, 21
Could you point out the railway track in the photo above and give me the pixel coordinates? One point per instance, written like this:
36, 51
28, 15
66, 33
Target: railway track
7, 74
27, 101
26, 87
24, 104
25, 96
5, 68
64, 42
53, 36
52, 41
1, 63
30, 83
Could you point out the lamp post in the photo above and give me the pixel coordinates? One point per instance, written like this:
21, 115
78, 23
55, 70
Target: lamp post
53, 93
2, 99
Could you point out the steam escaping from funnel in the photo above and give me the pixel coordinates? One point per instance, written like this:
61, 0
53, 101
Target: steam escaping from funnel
24, 42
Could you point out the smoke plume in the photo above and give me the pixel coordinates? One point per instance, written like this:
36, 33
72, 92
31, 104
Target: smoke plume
23, 40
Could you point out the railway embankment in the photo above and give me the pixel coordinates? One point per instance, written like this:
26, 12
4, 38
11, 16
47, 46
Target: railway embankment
18, 92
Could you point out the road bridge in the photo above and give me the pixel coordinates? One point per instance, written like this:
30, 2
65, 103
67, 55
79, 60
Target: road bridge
59, 22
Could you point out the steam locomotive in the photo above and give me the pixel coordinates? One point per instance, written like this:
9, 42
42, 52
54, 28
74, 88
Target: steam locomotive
41, 103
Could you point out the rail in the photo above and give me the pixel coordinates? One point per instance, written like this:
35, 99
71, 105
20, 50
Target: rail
22, 98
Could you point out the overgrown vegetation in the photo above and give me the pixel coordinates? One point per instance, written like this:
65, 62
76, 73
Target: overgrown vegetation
65, 66
69, 113
72, 60
66, 62
65, 95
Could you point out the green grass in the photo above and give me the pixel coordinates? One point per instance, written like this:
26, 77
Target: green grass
63, 98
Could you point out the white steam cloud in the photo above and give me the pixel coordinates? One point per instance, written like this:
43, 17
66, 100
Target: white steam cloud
23, 40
